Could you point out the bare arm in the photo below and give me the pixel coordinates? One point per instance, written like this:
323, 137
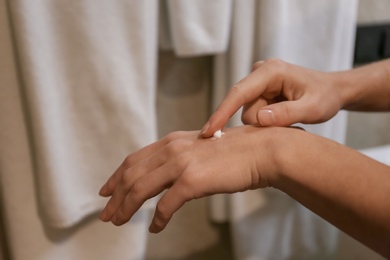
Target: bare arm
339, 184
366, 88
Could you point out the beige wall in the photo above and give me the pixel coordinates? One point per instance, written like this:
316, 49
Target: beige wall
373, 11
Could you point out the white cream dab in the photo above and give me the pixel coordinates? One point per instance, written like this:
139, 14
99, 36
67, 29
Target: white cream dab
218, 134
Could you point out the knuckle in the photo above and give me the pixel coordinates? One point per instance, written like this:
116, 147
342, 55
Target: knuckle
137, 191
277, 66
257, 65
174, 136
173, 148
126, 178
274, 62
182, 161
129, 161
178, 146
189, 182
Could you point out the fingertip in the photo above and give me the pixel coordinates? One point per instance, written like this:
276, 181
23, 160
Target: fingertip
158, 223
205, 129
207, 134
216, 122
208, 130
103, 216
103, 191
115, 221
153, 228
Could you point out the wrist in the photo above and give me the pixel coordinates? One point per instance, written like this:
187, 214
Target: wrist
346, 86
285, 145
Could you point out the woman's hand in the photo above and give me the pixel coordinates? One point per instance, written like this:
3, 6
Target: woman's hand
189, 167
277, 93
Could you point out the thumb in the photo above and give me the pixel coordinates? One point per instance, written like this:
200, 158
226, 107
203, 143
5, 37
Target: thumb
281, 114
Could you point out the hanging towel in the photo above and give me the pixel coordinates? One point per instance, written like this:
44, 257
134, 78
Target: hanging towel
88, 76
195, 27
77, 95
315, 34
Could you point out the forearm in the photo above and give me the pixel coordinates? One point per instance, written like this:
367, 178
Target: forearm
339, 184
366, 88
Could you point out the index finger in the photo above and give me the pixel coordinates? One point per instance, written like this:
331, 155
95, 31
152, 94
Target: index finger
245, 91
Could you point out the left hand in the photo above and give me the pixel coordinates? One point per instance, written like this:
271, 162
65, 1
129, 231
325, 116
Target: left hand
189, 167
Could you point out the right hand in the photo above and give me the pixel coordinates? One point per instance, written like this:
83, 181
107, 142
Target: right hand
277, 93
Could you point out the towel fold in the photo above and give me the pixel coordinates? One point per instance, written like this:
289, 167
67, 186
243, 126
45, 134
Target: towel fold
88, 71
195, 27
77, 95
313, 34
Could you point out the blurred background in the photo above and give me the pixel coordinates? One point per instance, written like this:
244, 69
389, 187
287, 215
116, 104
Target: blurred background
84, 83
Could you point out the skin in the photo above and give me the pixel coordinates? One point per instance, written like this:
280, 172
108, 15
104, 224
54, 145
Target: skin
340, 184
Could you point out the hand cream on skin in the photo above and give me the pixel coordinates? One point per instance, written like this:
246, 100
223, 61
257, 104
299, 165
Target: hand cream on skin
218, 134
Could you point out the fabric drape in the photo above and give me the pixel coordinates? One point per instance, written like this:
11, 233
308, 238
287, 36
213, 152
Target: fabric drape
318, 35
77, 95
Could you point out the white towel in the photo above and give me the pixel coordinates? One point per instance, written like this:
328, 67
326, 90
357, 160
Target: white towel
88, 75
315, 34
76, 98
195, 27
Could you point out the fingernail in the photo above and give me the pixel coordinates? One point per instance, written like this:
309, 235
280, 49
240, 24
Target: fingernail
265, 117
205, 128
